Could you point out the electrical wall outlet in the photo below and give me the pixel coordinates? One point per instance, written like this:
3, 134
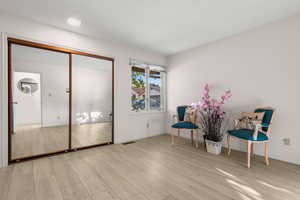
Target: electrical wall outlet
286, 141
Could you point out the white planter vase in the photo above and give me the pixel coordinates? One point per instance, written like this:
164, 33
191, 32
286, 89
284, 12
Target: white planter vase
213, 147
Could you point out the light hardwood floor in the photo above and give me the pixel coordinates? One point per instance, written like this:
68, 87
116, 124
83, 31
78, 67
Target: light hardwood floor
33, 139
150, 169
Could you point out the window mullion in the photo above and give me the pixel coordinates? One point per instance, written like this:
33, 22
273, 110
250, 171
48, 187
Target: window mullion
147, 87
165, 91
162, 91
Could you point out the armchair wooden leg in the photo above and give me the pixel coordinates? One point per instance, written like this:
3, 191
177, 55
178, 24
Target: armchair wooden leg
228, 145
172, 138
197, 139
267, 153
178, 135
249, 154
252, 149
192, 137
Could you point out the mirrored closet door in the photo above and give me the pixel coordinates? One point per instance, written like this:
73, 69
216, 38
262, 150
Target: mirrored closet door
40, 101
91, 101
60, 100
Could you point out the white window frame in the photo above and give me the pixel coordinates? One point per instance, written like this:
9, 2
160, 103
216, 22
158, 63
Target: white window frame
148, 68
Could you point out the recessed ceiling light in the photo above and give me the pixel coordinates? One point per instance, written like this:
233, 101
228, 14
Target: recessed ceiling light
73, 21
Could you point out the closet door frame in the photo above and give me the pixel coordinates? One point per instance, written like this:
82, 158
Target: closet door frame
70, 52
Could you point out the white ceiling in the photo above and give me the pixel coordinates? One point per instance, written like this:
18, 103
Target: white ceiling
164, 26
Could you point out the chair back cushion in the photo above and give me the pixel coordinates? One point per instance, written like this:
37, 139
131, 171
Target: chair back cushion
267, 116
181, 112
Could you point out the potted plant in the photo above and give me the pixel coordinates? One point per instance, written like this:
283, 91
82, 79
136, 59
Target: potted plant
211, 118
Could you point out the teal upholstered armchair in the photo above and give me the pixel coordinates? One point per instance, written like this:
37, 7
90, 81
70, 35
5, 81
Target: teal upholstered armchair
259, 134
185, 119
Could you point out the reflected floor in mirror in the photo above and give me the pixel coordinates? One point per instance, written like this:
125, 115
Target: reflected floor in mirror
150, 169
34, 140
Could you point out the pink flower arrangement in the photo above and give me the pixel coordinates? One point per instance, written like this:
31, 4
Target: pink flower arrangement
211, 114
209, 105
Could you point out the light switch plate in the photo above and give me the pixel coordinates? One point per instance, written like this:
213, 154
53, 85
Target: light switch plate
286, 141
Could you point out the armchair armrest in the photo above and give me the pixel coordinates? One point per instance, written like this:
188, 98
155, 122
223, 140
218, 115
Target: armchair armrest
258, 127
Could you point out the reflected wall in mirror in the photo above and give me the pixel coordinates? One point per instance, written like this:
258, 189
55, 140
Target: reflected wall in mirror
91, 101
40, 102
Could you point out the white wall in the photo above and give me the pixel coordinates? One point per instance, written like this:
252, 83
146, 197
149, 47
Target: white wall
54, 82
91, 90
128, 126
91, 85
28, 107
261, 67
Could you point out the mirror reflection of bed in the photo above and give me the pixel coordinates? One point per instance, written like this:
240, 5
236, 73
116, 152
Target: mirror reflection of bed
41, 101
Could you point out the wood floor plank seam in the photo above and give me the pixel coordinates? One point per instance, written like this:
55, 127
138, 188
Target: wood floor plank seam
150, 169
203, 185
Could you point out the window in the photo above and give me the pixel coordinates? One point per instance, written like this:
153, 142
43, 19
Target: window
155, 88
138, 83
147, 87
